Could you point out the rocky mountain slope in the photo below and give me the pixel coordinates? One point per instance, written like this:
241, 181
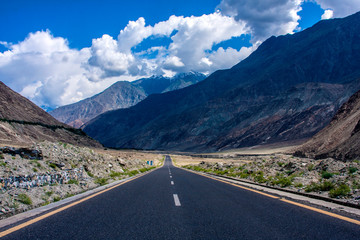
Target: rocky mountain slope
22, 122
288, 89
122, 94
341, 138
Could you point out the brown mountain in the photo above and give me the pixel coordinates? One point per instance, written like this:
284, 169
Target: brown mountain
341, 138
122, 94
288, 89
22, 122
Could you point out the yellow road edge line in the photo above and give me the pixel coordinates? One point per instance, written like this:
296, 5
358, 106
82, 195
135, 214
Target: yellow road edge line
322, 211
347, 219
25, 224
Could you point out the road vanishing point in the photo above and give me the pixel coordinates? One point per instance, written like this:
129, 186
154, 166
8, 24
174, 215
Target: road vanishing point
172, 203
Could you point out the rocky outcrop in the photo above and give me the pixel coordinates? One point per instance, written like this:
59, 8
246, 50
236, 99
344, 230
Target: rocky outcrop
120, 95
22, 122
289, 88
341, 138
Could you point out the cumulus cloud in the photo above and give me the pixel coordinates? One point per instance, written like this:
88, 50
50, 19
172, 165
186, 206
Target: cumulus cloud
44, 69
327, 14
341, 8
264, 17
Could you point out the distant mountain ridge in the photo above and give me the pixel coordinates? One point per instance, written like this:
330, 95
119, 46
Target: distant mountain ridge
22, 122
122, 94
288, 89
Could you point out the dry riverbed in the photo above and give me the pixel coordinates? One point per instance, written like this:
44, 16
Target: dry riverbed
62, 171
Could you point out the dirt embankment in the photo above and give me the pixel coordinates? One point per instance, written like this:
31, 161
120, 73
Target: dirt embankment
327, 177
61, 171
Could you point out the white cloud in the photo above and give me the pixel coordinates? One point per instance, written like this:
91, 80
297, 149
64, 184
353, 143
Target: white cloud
340, 8
327, 14
42, 67
105, 54
264, 17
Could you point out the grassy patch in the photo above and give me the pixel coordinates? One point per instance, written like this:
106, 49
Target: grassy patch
259, 177
73, 181
69, 195
56, 198
310, 167
352, 170
326, 175
49, 193
114, 175
342, 190
281, 180
89, 173
101, 181
36, 163
323, 186
25, 199
52, 165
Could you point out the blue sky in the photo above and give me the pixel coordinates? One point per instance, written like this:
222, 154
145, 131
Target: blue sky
59, 52
80, 21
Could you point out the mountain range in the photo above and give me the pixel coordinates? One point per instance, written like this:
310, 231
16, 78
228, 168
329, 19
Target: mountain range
122, 94
288, 89
22, 123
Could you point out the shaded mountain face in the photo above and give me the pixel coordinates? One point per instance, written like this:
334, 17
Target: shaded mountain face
22, 122
121, 94
288, 89
341, 138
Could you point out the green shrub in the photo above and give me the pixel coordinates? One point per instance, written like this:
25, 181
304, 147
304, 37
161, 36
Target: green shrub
142, 170
312, 187
69, 195
244, 174
280, 164
49, 193
352, 170
259, 177
298, 185
56, 198
35, 162
310, 167
326, 186
2, 156
25, 199
73, 181
281, 180
34, 170
341, 190
326, 175
101, 181
52, 165
3, 164
132, 173
114, 175
89, 173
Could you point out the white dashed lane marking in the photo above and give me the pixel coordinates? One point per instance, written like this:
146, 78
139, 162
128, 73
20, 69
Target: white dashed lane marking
176, 200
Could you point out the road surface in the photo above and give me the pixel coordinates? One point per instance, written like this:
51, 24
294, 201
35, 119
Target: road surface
171, 203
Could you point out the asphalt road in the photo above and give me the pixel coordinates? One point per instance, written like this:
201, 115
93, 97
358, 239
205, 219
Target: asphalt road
146, 208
